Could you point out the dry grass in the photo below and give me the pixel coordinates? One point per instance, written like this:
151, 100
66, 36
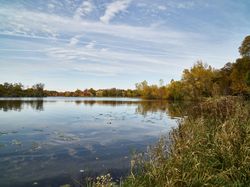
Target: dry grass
211, 147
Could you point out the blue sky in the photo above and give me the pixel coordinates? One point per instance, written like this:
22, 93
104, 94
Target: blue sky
70, 44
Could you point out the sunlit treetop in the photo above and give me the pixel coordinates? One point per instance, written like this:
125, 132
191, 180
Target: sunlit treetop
245, 47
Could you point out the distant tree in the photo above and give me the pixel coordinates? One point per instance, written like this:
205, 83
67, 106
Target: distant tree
17, 90
92, 91
161, 82
38, 90
78, 93
99, 93
244, 49
142, 87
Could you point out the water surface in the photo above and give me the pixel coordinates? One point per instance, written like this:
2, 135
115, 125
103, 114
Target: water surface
46, 142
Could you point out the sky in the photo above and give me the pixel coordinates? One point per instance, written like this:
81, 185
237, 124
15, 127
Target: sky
70, 44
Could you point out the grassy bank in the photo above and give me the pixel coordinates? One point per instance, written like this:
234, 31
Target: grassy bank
211, 147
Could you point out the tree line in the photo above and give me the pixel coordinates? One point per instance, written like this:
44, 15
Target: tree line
202, 80
199, 81
18, 90
37, 90
113, 92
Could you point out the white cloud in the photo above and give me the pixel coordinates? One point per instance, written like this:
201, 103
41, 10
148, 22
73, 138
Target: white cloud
37, 24
113, 48
104, 49
181, 5
113, 9
84, 9
123, 59
161, 7
185, 5
51, 6
140, 4
90, 45
74, 40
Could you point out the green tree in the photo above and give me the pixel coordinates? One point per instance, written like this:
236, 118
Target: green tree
38, 90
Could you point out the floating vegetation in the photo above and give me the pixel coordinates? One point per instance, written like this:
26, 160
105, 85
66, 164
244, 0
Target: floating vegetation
101, 181
72, 152
149, 121
65, 185
3, 133
66, 137
16, 142
38, 130
61, 143
35, 183
104, 180
35, 146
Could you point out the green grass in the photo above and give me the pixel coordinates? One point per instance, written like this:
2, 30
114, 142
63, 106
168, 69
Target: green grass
211, 147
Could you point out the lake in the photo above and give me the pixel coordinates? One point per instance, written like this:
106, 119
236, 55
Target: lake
47, 141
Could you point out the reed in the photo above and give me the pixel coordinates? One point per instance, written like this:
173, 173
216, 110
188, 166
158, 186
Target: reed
210, 147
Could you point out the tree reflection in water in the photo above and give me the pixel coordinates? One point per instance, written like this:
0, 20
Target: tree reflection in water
173, 109
18, 105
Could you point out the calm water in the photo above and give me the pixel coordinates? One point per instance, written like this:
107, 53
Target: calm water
45, 142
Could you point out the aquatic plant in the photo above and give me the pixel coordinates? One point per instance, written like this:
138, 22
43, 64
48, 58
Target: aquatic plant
100, 181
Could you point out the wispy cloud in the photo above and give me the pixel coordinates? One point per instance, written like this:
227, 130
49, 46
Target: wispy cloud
162, 7
84, 9
91, 45
113, 9
74, 40
35, 24
142, 39
146, 48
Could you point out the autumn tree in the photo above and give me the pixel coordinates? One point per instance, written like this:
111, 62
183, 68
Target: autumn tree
38, 90
175, 90
244, 49
248, 78
239, 75
198, 81
241, 69
222, 80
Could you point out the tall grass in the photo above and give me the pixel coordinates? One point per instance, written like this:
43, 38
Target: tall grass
211, 147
